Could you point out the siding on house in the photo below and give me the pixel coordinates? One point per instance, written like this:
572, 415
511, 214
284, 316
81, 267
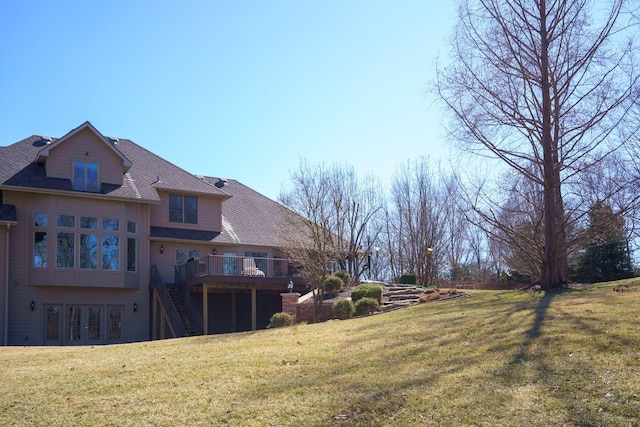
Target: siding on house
4, 235
209, 212
85, 146
88, 301
52, 205
74, 286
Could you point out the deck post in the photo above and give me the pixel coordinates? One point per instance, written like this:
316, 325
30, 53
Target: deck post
154, 311
205, 309
233, 312
253, 309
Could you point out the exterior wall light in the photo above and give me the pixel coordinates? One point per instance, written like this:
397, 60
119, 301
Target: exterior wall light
135, 307
290, 286
161, 249
33, 305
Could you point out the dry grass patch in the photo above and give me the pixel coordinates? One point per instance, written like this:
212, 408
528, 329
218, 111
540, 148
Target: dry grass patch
495, 358
429, 297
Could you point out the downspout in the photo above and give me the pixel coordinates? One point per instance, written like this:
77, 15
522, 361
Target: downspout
6, 288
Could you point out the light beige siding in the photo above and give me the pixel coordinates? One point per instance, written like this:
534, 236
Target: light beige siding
52, 285
85, 146
3, 283
209, 213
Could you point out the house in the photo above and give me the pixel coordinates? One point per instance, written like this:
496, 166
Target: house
102, 241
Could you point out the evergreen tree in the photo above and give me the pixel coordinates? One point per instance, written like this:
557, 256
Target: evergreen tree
606, 256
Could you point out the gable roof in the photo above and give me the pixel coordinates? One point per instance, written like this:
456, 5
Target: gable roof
147, 172
44, 153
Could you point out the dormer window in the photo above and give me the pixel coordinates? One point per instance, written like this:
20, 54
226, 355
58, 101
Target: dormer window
183, 209
85, 176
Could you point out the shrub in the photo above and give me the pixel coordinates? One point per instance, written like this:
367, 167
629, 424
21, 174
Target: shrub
408, 279
366, 306
332, 284
343, 309
367, 290
345, 276
280, 319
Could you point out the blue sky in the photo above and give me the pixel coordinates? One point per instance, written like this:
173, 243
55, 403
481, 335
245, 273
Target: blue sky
239, 89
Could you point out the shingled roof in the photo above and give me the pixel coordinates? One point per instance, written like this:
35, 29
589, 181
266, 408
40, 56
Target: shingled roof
147, 174
248, 217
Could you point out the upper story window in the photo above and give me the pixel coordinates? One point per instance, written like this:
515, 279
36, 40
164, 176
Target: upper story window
66, 221
111, 224
84, 242
40, 222
131, 247
183, 209
85, 176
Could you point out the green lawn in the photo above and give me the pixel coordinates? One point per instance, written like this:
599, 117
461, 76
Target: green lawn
493, 358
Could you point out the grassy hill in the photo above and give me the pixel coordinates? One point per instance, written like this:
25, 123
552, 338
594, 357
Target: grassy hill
494, 358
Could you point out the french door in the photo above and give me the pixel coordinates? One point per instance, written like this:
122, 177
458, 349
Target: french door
82, 324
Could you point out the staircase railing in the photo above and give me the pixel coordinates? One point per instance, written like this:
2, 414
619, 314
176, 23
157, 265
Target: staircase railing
188, 301
173, 317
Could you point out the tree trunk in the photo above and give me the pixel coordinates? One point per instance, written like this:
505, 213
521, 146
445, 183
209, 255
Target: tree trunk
553, 266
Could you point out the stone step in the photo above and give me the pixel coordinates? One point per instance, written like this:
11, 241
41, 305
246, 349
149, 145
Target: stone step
396, 304
403, 297
407, 291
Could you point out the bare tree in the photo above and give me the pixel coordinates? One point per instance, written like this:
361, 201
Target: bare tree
417, 221
457, 233
542, 83
329, 214
307, 232
357, 203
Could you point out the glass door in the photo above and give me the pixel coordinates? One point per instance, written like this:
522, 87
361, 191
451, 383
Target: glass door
229, 265
84, 325
52, 324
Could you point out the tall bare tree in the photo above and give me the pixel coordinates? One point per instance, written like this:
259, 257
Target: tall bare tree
329, 219
357, 203
542, 83
457, 237
417, 220
307, 232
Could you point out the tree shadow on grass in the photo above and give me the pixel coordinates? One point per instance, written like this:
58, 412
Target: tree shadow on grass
535, 330
410, 358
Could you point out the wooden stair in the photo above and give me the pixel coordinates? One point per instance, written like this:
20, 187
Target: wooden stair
189, 328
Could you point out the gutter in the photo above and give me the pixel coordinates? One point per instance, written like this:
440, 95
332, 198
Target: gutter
6, 288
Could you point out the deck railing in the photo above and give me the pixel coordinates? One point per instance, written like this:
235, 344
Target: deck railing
222, 265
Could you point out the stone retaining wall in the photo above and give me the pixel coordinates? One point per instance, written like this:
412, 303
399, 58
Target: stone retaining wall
301, 308
304, 312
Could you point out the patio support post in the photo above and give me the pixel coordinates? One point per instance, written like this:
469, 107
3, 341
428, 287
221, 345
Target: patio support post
233, 312
205, 309
154, 311
253, 309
